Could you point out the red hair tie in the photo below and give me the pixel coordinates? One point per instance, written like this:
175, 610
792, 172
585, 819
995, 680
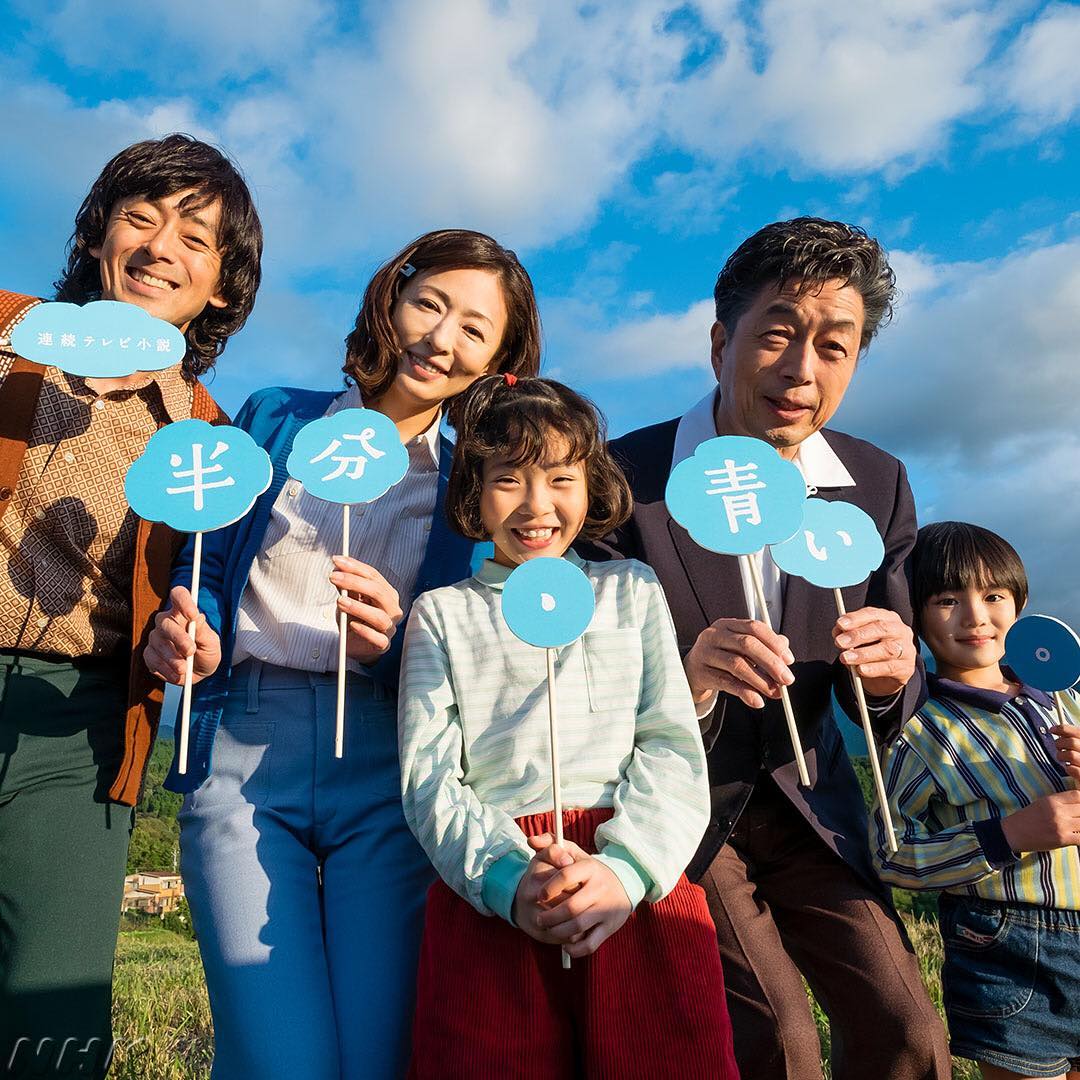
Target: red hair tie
510, 379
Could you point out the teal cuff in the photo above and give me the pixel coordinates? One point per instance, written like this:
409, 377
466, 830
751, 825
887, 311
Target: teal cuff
628, 870
501, 880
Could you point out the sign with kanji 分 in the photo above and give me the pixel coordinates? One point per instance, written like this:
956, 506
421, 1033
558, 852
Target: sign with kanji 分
197, 477
837, 545
354, 456
735, 495
105, 339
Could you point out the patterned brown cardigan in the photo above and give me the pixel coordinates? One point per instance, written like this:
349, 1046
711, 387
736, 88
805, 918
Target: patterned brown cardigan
155, 546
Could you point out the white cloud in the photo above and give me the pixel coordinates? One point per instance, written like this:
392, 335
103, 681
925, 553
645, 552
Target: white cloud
975, 387
986, 359
838, 88
1041, 73
640, 347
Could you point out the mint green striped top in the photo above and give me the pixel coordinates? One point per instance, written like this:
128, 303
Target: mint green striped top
473, 733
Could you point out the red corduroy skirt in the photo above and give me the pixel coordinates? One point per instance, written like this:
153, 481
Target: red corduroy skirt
493, 1004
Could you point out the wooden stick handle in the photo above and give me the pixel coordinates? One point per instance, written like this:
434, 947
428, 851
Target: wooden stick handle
189, 670
556, 784
871, 745
1062, 718
785, 698
343, 627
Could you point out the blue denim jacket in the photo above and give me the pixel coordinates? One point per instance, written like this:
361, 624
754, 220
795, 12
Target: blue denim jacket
273, 417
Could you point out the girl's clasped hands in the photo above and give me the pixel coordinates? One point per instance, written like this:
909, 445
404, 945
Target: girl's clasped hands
568, 897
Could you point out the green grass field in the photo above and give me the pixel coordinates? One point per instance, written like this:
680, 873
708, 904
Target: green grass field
162, 1018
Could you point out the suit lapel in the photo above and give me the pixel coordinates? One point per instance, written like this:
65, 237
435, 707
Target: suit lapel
715, 579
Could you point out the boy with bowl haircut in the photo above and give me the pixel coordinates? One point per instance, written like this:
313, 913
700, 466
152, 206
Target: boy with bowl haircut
982, 796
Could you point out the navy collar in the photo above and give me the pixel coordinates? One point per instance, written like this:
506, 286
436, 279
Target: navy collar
990, 700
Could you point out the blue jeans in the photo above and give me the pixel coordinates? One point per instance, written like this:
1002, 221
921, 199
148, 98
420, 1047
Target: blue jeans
1012, 984
306, 887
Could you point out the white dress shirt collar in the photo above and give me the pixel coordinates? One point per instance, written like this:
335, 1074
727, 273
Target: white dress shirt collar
816, 459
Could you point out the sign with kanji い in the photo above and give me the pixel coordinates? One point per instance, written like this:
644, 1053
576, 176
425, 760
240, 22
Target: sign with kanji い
105, 339
735, 495
837, 545
354, 456
197, 477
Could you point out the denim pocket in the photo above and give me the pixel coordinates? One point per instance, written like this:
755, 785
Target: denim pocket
240, 769
991, 960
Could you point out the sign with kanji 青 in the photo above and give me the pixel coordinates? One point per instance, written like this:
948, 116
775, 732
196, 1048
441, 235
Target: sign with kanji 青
735, 495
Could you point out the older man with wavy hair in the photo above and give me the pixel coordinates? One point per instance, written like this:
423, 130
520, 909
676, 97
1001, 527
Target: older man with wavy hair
170, 226
786, 868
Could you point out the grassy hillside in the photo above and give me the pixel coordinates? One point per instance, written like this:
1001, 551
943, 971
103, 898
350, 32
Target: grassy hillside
161, 1016
162, 1019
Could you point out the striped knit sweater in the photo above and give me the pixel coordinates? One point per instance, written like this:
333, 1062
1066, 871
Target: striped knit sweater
965, 761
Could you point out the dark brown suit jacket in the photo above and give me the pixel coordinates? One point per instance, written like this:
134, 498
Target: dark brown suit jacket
746, 744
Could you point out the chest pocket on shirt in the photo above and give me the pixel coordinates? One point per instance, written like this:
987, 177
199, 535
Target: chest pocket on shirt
613, 668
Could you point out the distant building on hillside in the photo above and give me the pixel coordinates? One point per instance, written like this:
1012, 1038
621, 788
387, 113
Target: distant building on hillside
154, 892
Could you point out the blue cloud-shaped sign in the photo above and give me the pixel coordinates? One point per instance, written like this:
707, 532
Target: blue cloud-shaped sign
1044, 652
197, 477
105, 339
736, 494
838, 544
354, 456
548, 602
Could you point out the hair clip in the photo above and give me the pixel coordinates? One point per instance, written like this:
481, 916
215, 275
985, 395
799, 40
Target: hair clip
408, 270
510, 379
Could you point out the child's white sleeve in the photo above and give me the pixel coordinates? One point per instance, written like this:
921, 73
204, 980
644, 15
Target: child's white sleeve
662, 804
929, 856
478, 849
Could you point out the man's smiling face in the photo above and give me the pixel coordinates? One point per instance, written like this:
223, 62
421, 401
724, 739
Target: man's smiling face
162, 254
785, 367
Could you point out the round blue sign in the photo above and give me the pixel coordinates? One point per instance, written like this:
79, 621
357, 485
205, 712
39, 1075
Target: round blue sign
1044, 652
548, 602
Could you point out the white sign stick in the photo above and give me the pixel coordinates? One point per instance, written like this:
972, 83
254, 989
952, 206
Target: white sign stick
789, 715
556, 786
189, 672
1059, 704
343, 627
871, 746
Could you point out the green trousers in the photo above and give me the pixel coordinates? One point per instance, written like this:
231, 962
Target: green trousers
63, 851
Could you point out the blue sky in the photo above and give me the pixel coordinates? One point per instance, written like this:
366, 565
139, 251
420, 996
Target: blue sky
624, 149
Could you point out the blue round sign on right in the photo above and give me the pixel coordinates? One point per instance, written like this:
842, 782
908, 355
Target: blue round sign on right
548, 602
1043, 652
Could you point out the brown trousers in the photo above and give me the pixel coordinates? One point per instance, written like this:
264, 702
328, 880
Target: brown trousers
784, 903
